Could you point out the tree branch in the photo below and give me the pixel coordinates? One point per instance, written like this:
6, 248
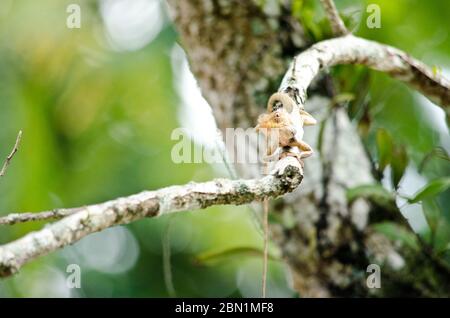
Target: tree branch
78, 223
337, 25
11, 155
354, 50
23, 217
286, 176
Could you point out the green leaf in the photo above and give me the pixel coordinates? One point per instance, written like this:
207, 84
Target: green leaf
343, 98
399, 162
395, 232
373, 192
437, 152
431, 189
237, 252
432, 213
384, 146
441, 236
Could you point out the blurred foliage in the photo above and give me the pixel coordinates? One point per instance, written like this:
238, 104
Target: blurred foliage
97, 124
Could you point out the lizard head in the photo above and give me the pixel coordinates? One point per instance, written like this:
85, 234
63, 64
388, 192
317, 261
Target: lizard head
280, 100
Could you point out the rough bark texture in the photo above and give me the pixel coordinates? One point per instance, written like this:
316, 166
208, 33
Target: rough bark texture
227, 43
354, 50
337, 25
286, 176
239, 52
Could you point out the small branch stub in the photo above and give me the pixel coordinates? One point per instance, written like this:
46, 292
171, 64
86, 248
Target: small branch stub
11, 155
337, 25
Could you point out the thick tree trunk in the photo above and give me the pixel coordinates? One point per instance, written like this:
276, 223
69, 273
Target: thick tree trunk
239, 52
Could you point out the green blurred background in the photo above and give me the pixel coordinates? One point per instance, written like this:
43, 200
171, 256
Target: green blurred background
97, 106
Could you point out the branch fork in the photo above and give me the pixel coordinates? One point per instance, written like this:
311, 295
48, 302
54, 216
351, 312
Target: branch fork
287, 175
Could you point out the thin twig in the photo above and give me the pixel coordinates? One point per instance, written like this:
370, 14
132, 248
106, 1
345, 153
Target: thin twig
337, 25
23, 217
167, 264
11, 155
266, 246
266, 229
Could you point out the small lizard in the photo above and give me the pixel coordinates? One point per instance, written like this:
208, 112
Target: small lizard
283, 128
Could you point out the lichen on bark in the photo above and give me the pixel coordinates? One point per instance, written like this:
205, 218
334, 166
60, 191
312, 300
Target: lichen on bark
239, 52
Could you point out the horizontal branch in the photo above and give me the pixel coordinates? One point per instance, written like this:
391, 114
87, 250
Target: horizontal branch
286, 176
354, 50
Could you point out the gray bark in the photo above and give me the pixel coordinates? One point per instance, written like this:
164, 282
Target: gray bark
239, 52
80, 222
